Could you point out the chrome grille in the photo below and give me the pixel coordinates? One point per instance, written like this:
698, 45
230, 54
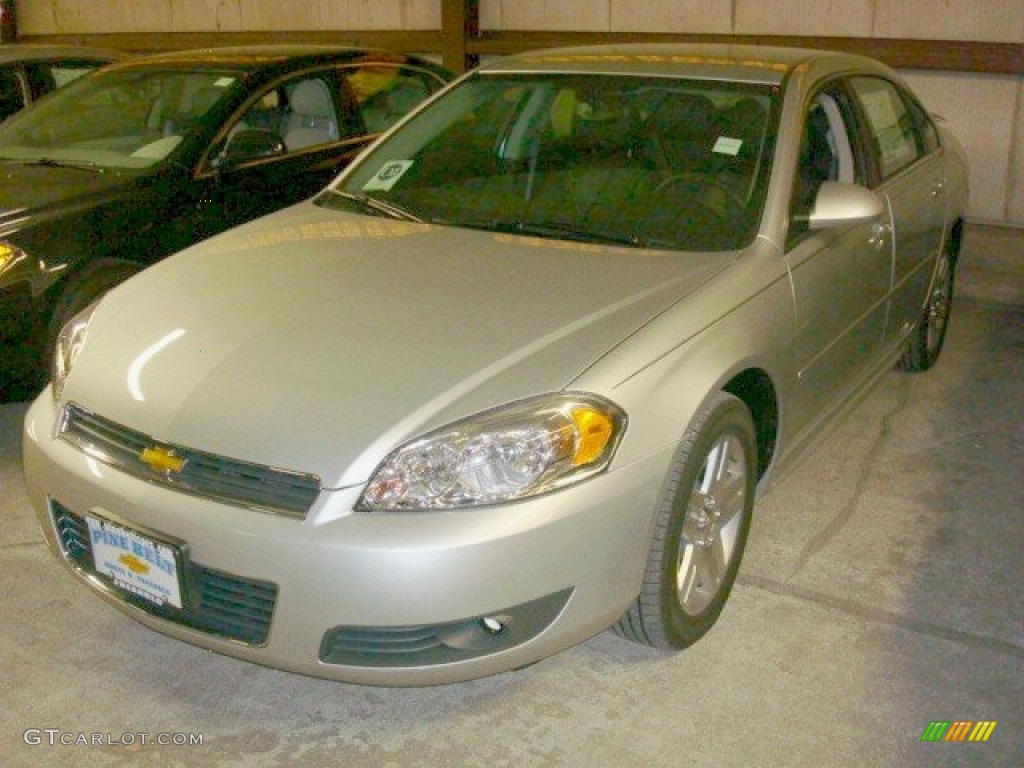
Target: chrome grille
232, 481
219, 603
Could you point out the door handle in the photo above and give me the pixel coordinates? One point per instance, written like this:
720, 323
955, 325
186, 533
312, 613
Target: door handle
879, 232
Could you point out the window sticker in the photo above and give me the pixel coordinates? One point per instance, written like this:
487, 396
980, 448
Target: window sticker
727, 146
388, 175
224, 82
895, 146
879, 107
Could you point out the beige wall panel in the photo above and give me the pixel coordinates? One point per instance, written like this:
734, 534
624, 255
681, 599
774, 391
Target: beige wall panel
977, 20
99, 16
91, 16
340, 14
552, 15
981, 110
833, 18
691, 16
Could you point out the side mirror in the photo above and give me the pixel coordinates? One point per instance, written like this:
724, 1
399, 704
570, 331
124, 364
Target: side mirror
249, 145
839, 203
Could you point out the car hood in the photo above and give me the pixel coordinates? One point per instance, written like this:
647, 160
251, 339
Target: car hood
318, 341
39, 190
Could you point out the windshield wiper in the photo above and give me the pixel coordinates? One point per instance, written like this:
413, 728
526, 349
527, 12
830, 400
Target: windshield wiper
554, 229
51, 162
378, 206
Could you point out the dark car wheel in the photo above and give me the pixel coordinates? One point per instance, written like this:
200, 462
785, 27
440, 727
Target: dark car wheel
700, 530
927, 338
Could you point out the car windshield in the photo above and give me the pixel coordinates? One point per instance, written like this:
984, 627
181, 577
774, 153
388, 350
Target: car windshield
118, 119
643, 161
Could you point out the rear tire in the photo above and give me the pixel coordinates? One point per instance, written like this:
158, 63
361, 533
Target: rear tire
700, 529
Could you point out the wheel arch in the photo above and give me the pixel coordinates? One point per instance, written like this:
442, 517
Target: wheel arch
757, 391
62, 291
955, 241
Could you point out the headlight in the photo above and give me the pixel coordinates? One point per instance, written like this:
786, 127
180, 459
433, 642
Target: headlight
10, 255
522, 450
69, 343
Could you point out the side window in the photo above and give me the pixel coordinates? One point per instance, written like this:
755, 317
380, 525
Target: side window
929, 135
893, 129
40, 79
384, 93
291, 116
12, 95
265, 114
310, 116
44, 76
63, 72
826, 154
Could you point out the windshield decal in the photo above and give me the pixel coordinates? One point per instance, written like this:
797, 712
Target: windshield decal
387, 176
726, 146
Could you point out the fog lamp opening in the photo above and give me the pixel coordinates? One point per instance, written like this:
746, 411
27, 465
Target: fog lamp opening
492, 625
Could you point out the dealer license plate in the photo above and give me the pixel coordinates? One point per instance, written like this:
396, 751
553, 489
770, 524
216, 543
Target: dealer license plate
136, 563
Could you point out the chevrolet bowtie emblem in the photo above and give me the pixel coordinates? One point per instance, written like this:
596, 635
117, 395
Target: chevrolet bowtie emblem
161, 460
133, 564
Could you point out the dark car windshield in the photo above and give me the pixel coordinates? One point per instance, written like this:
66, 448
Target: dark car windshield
644, 161
115, 119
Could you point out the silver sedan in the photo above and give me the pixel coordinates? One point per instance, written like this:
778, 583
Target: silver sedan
516, 377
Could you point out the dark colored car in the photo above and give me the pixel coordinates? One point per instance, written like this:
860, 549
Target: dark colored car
29, 72
125, 166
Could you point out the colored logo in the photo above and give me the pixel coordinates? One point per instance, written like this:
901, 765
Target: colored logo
958, 730
162, 460
133, 564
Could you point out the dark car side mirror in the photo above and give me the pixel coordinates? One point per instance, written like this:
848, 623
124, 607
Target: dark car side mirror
249, 145
840, 203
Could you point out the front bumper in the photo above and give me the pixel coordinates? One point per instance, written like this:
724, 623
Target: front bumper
375, 598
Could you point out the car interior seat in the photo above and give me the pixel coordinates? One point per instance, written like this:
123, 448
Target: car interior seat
311, 119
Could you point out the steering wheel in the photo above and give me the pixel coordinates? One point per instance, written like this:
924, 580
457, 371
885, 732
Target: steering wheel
709, 191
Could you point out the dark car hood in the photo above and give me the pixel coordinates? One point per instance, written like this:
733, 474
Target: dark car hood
33, 192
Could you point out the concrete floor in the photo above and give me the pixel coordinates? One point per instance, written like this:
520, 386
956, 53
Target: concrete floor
881, 591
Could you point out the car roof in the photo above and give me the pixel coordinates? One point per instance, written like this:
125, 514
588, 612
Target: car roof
746, 63
254, 58
37, 52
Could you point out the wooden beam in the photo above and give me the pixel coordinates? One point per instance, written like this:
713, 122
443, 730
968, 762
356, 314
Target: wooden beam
460, 22
949, 55
413, 41
460, 43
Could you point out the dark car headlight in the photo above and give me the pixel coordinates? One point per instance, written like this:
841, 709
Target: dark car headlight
67, 347
10, 257
517, 451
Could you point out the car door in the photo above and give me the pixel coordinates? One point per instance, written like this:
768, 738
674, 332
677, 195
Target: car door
904, 150
840, 276
286, 144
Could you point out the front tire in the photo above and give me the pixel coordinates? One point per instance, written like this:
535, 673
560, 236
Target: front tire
700, 529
